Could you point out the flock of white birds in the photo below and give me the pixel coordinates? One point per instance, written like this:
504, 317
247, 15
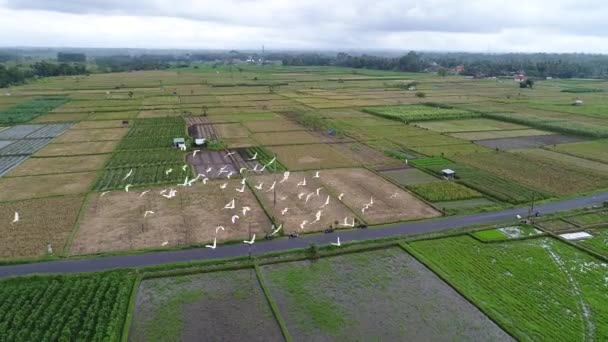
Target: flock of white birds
170, 193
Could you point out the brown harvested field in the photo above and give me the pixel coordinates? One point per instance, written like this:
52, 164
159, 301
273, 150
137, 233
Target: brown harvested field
51, 165
233, 130
40, 221
217, 160
276, 125
197, 120
285, 138
80, 135
68, 117
202, 131
71, 149
290, 195
309, 157
239, 142
528, 142
391, 203
116, 222
98, 124
343, 113
364, 154
18, 188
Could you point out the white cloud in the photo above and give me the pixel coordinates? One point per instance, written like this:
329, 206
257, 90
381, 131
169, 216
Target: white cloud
475, 25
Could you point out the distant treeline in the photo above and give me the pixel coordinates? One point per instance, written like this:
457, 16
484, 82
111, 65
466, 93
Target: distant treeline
131, 63
16, 75
475, 64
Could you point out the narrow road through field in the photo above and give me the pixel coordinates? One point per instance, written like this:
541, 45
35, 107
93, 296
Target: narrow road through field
261, 247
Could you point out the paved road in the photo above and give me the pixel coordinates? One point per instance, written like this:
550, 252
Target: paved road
261, 247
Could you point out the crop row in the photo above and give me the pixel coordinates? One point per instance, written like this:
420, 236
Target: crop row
64, 308
444, 191
175, 131
26, 111
539, 290
553, 124
484, 182
114, 178
166, 121
420, 113
143, 143
131, 158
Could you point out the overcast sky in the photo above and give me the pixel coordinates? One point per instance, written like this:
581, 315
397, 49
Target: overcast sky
431, 25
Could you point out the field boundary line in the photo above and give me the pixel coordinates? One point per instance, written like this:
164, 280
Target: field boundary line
436, 271
273, 305
68, 243
126, 325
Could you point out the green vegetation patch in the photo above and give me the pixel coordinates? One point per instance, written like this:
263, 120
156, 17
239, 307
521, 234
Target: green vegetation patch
29, 110
599, 217
420, 113
539, 289
444, 191
580, 90
594, 150
490, 235
65, 308
598, 243
549, 177
484, 182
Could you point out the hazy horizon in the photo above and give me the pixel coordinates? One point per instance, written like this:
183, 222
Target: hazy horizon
388, 25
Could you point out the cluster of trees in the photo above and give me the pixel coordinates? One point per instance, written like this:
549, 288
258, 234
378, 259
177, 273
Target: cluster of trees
129, 63
411, 62
71, 57
535, 65
16, 75
475, 64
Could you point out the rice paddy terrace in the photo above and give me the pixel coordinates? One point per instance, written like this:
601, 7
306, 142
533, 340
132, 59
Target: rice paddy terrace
124, 163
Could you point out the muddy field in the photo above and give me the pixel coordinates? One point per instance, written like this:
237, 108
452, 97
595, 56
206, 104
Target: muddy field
216, 160
528, 142
218, 306
390, 203
293, 197
374, 296
118, 220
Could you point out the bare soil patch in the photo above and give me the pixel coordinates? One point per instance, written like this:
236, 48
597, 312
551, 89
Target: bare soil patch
391, 203
115, 221
293, 197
